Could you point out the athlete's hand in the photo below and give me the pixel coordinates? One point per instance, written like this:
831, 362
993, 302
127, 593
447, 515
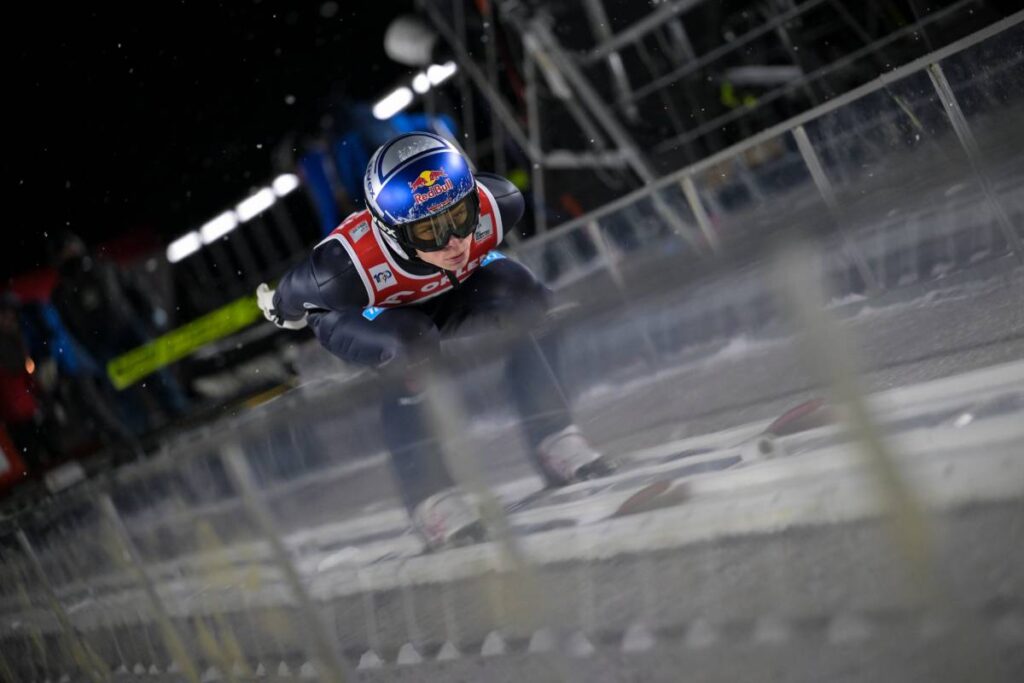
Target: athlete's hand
265, 300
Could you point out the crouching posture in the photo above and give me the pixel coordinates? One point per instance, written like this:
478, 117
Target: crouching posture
419, 266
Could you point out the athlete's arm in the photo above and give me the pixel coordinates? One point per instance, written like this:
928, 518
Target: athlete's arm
326, 281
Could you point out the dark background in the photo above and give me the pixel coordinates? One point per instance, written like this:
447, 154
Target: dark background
152, 118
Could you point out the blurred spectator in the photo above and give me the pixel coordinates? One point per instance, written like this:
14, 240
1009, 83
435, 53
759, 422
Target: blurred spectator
20, 411
109, 316
79, 383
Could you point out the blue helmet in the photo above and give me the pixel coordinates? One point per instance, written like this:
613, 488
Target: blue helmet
421, 190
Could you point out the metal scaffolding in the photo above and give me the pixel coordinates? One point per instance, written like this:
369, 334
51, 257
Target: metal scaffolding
636, 96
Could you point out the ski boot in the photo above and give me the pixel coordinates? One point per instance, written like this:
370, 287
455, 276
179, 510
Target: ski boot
448, 519
566, 458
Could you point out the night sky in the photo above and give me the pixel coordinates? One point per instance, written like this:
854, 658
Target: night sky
159, 115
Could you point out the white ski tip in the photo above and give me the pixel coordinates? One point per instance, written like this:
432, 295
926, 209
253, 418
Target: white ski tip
408, 655
261, 671
153, 670
308, 670
542, 640
283, 670
349, 555
370, 660
448, 652
493, 645
637, 638
138, 669
210, 675
579, 646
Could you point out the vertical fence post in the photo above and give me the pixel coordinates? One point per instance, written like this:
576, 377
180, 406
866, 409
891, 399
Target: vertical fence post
545, 45
479, 78
974, 156
491, 58
824, 185
830, 356
91, 664
540, 220
332, 668
650, 351
174, 640
468, 109
31, 653
6, 672
700, 213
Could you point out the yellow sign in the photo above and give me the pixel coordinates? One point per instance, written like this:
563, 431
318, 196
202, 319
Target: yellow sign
129, 368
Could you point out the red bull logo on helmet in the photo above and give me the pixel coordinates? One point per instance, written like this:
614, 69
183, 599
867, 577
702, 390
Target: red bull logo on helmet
430, 184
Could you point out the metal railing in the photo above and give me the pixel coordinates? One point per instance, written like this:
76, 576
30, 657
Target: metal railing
971, 165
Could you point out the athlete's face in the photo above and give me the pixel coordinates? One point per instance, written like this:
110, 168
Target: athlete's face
454, 256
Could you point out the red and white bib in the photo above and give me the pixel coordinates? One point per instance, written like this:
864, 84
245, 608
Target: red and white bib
387, 284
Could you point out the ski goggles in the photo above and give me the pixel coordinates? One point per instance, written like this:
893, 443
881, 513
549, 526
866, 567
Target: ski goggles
433, 234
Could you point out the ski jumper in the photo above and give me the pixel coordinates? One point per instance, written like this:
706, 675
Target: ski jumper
372, 304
